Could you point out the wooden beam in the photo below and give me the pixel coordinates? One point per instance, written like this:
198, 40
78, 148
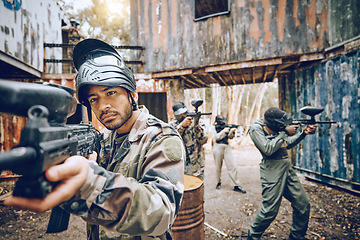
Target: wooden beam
240, 65
17, 63
242, 76
265, 74
174, 73
58, 76
198, 79
142, 76
287, 65
253, 75
231, 77
221, 80
199, 71
312, 57
212, 77
190, 81
276, 72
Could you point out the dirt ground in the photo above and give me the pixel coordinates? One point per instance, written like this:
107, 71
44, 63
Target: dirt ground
334, 213
228, 214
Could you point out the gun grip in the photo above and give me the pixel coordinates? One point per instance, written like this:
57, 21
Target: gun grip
59, 220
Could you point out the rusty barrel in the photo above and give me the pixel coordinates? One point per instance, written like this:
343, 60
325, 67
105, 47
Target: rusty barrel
189, 224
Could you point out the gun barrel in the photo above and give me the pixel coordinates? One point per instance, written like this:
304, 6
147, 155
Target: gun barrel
197, 114
17, 97
325, 122
15, 159
297, 122
232, 125
310, 122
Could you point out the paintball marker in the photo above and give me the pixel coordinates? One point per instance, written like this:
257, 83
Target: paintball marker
231, 125
220, 127
45, 140
312, 112
196, 102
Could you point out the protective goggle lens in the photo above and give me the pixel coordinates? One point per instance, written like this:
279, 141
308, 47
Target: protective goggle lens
286, 119
221, 120
104, 58
107, 60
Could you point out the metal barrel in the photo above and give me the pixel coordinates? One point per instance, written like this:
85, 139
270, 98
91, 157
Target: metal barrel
189, 224
16, 158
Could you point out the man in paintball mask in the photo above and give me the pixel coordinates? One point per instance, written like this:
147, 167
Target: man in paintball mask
273, 136
194, 137
135, 189
222, 152
74, 36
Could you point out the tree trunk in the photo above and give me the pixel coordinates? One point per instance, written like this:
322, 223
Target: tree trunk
234, 108
253, 115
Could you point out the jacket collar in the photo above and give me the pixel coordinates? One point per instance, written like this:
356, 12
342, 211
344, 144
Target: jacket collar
138, 129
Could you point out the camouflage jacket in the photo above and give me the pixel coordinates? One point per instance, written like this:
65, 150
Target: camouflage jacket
136, 190
74, 35
194, 138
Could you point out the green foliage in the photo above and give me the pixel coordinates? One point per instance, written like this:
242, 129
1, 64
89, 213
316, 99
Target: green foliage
107, 20
65, 6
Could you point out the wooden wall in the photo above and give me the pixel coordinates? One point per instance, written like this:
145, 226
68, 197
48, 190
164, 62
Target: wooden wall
24, 28
331, 155
252, 30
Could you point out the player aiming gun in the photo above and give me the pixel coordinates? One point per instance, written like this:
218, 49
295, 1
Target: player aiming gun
45, 139
220, 124
194, 135
196, 102
312, 112
222, 152
230, 125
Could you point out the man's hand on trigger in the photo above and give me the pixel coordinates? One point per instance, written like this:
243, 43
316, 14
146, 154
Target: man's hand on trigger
310, 129
186, 122
71, 175
93, 156
227, 130
291, 129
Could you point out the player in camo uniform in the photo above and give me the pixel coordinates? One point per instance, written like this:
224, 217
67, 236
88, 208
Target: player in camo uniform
194, 137
75, 35
135, 190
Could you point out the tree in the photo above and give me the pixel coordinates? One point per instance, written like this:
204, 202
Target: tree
107, 20
241, 104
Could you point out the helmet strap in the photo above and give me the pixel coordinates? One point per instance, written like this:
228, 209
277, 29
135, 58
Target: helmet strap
89, 113
133, 103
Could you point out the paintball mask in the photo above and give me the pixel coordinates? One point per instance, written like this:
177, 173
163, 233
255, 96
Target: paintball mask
276, 119
179, 108
98, 63
74, 22
220, 119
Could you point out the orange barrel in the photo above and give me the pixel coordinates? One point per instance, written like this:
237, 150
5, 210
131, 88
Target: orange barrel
189, 224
